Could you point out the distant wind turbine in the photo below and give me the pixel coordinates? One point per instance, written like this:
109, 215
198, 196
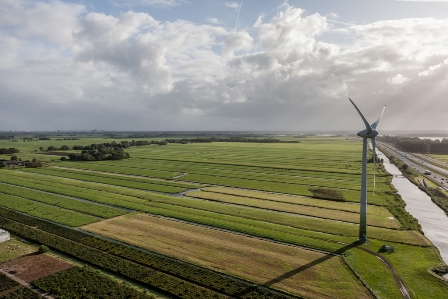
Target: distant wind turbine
369, 132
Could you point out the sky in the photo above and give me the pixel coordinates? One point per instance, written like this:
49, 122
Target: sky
251, 65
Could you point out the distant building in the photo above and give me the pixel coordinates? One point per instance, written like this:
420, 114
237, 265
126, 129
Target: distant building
11, 163
4, 235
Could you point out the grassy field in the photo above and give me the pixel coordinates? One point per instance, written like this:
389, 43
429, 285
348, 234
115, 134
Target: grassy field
440, 157
14, 248
378, 216
251, 259
272, 191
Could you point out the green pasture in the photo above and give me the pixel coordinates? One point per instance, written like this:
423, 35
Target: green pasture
109, 180
268, 196
440, 157
61, 201
45, 211
13, 248
377, 216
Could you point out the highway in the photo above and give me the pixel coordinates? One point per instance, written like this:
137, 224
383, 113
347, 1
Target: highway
438, 175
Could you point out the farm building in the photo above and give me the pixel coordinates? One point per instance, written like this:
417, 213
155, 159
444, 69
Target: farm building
10, 163
4, 235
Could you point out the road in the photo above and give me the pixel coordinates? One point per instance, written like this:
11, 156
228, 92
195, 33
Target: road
438, 175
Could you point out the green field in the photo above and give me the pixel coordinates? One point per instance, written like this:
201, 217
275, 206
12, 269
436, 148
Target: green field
273, 191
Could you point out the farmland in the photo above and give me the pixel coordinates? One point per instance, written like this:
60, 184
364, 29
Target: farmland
303, 194
236, 255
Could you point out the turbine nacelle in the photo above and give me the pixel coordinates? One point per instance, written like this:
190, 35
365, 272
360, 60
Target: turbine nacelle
368, 133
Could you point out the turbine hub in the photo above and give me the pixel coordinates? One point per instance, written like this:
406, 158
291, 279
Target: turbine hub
366, 134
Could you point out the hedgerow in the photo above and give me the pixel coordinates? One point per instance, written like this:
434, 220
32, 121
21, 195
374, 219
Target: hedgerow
172, 276
84, 282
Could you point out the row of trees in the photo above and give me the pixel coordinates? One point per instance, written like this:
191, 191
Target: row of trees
98, 155
9, 151
417, 145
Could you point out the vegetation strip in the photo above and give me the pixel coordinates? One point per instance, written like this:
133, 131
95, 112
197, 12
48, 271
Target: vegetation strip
45, 211
63, 202
110, 181
382, 220
92, 249
255, 259
214, 214
86, 283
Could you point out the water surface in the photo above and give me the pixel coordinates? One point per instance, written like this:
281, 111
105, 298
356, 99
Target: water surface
433, 220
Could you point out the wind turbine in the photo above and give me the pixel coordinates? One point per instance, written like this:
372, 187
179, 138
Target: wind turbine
369, 132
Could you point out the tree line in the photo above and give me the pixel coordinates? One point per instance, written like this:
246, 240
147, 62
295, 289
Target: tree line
417, 145
9, 151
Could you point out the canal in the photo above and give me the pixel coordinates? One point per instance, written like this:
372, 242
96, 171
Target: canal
433, 220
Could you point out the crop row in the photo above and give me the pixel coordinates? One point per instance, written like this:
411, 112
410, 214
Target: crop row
107, 261
108, 181
133, 178
195, 210
268, 224
89, 248
22, 293
6, 283
63, 202
374, 219
178, 165
84, 282
113, 168
44, 211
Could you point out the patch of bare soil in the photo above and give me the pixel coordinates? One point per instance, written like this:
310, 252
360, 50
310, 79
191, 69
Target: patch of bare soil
34, 266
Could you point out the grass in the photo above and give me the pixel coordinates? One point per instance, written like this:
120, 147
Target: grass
13, 248
44, 211
251, 259
107, 180
378, 216
276, 169
63, 202
211, 213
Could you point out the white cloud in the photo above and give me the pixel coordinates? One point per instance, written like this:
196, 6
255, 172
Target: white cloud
157, 3
233, 5
151, 75
398, 79
212, 20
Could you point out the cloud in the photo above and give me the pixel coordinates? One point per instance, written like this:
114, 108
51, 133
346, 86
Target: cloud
131, 71
398, 79
157, 3
233, 5
213, 20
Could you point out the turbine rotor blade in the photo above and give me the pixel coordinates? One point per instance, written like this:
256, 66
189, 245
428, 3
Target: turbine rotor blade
375, 124
368, 127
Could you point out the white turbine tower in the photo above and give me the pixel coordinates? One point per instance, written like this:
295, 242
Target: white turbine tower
369, 132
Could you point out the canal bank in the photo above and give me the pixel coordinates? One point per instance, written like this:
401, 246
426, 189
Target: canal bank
433, 220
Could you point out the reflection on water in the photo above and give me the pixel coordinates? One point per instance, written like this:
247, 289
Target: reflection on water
433, 220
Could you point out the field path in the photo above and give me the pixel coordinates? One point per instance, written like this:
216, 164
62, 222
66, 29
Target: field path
398, 281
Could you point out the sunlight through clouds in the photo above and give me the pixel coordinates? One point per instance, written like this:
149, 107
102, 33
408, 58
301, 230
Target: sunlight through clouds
185, 73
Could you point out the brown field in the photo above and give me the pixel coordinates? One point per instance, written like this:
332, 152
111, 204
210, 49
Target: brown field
11, 249
34, 266
292, 269
377, 216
